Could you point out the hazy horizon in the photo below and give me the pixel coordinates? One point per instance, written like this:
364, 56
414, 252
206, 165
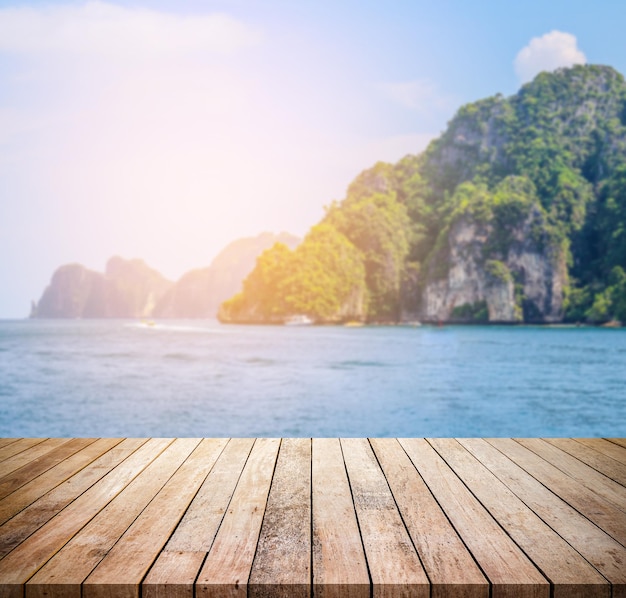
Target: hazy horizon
165, 130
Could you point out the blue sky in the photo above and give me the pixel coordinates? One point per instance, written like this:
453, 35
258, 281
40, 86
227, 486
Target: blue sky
164, 130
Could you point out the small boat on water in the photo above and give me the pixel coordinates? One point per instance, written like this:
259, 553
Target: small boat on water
298, 320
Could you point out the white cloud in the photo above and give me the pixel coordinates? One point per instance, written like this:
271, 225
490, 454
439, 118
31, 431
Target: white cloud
99, 28
547, 53
421, 95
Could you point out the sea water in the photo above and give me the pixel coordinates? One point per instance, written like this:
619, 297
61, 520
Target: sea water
200, 378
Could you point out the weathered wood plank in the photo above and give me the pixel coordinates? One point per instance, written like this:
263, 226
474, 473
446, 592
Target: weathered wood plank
592, 457
79, 557
351, 518
196, 531
282, 564
35, 489
10, 465
24, 560
5, 441
606, 447
395, 569
591, 479
36, 467
16, 447
177, 567
602, 551
227, 567
506, 566
452, 571
619, 441
339, 564
129, 560
173, 575
22, 525
596, 508
571, 575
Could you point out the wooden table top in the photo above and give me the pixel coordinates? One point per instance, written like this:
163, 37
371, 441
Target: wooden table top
296, 517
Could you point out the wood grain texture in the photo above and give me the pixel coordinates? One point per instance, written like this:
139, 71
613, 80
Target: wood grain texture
602, 463
173, 575
451, 569
610, 449
6, 441
618, 441
77, 559
10, 465
129, 560
13, 448
227, 568
505, 565
271, 518
196, 532
339, 564
601, 511
179, 563
597, 547
22, 525
24, 560
395, 569
36, 467
282, 564
591, 479
571, 575
35, 489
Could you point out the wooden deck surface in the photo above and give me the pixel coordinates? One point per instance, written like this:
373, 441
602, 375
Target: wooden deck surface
351, 518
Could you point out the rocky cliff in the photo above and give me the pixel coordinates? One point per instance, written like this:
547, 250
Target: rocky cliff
199, 293
516, 213
131, 289
526, 285
127, 289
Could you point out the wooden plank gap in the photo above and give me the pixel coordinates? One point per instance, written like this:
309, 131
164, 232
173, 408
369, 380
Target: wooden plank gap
394, 565
31, 554
339, 563
136, 550
54, 477
597, 547
178, 566
282, 562
450, 566
565, 568
582, 473
505, 565
600, 462
605, 514
20, 445
80, 556
226, 570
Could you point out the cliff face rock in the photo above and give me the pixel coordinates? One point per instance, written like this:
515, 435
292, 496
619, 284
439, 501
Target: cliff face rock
199, 293
131, 289
134, 287
127, 289
465, 284
74, 292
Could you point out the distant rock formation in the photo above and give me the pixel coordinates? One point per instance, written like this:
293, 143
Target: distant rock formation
131, 289
127, 289
199, 293
74, 292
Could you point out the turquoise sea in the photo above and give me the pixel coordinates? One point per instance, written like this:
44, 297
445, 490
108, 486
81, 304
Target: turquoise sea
200, 378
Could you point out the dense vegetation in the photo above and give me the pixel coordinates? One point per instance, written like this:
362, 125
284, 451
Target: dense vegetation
549, 161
